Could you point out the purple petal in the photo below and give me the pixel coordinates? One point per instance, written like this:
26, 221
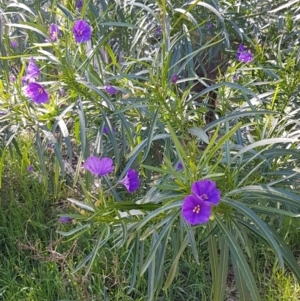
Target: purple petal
111, 90
158, 31
210, 25
99, 167
37, 93
241, 48
30, 168
195, 211
179, 166
207, 191
245, 57
106, 129
62, 92
54, 32
33, 71
13, 44
131, 181
79, 4
65, 219
174, 78
106, 166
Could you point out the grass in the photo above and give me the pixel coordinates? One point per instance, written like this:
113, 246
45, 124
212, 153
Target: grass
37, 264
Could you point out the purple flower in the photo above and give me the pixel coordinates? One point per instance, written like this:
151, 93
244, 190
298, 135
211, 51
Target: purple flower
179, 166
62, 92
12, 78
82, 31
99, 167
65, 219
196, 208
235, 77
30, 168
111, 90
106, 130
207, 191
243, 55
210, 25
131, 181
24, 80
79, 4
54, 32
174, 78
158, 31
13, 44
37, 93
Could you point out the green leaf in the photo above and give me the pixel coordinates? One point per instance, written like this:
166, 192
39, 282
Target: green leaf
156, 243
287, 254
240, 281
263, 143
81, 205
222, 269
237, 253
174, 267
80, 229
263, 228
200, 134
150, 134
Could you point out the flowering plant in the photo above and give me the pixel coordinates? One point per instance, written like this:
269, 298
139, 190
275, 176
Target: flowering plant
131, 148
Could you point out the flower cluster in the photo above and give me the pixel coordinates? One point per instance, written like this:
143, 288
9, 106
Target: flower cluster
101, 167
197, 207
82, 33
34, 90
243, 55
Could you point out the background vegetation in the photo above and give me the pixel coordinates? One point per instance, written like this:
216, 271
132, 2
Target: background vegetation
236, 123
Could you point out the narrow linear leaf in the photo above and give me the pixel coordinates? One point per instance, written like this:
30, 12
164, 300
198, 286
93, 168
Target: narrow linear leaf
237, 253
